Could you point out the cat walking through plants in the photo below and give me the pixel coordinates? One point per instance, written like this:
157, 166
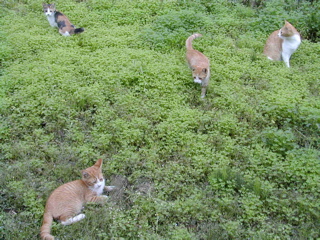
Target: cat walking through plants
59, 20
199, 64
282, 43
66, 201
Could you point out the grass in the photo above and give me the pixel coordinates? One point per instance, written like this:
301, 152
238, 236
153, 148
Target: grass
242, 163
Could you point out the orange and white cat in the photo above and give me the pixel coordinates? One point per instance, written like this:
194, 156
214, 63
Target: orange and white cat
66, 201
59, 20
199, 65
282, 43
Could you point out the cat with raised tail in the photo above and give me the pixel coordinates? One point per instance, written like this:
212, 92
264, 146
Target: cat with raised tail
199, 64
282, 43
66, 201
59, 20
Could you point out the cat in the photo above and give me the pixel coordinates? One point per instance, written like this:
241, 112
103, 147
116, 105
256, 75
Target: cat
67, 200
282, 43
199, 65
58, 19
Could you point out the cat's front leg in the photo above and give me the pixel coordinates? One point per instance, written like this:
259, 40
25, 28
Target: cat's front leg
204, 86
99, 199
203, 91
286, 58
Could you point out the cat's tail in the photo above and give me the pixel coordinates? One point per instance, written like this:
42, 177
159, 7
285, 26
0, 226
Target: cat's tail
190, 39
77, 30
46, 227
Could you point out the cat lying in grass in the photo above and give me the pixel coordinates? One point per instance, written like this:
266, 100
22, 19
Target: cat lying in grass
282, 43
58, 19
67, 200
199, 65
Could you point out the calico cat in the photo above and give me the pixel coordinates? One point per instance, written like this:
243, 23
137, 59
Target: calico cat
282, 43
199, 64
67, 200
58, 19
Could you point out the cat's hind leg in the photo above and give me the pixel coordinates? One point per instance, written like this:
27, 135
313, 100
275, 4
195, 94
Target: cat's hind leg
73, 219
64, 33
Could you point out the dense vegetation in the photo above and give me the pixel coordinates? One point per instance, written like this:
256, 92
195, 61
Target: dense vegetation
244, 163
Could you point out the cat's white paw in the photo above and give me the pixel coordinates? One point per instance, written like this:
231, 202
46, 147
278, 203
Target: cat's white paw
109, 188
74, 219
80, 217
66, 34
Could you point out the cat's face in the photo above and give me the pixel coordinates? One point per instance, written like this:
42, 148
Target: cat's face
94, 179
199, 74
93, 176
286, 31
49, 9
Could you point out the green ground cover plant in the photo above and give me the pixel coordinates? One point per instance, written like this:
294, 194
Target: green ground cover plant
243, 163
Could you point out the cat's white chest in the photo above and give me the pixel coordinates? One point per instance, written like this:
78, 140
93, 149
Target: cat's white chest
52, 20
98, 187
291, 44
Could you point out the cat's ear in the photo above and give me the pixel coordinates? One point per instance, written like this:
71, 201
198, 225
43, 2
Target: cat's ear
286, 23
98, 163
85, 175
204, 70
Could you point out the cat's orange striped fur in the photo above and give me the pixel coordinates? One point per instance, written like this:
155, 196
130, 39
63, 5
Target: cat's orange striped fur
199, 64
66, 201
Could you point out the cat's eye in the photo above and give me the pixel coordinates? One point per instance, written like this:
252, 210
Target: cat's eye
95, 181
